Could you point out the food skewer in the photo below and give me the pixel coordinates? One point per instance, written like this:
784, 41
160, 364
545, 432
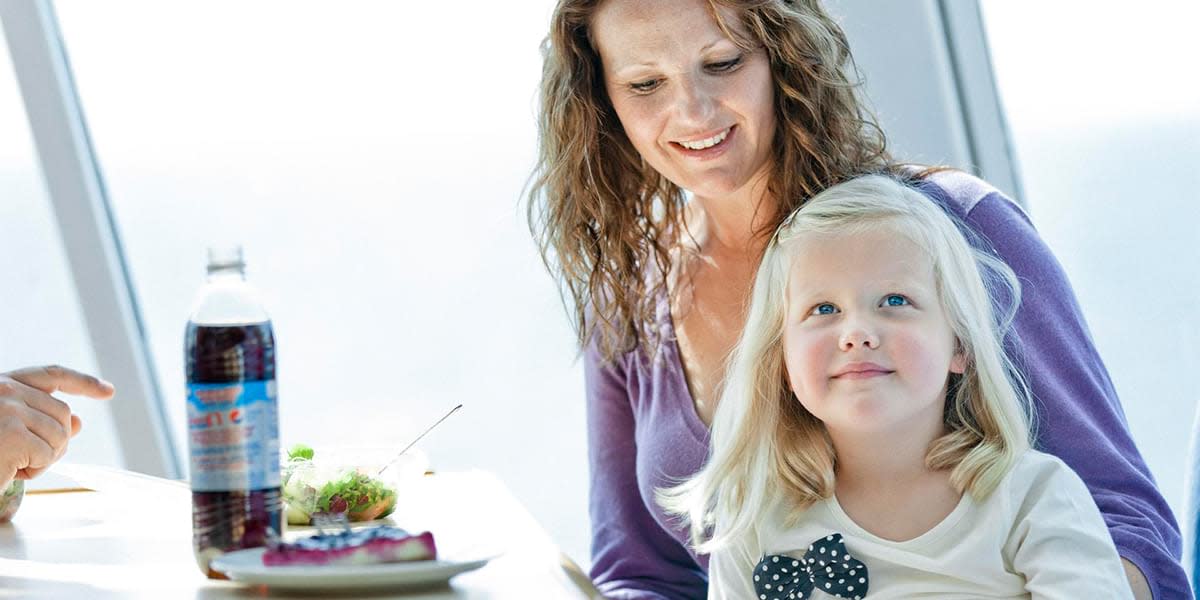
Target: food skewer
418, 438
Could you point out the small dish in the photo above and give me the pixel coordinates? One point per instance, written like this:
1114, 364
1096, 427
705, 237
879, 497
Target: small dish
346, 480
246, 566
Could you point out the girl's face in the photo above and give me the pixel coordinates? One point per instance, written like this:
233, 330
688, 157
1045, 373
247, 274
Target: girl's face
867, 346
698, 108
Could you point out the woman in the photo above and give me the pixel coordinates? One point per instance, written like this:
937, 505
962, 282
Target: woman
747, 106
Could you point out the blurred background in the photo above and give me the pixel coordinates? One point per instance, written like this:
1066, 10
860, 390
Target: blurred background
371, 156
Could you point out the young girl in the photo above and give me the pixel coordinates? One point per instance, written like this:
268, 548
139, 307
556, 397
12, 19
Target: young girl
872, 434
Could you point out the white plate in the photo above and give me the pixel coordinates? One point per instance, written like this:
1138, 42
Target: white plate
246, 566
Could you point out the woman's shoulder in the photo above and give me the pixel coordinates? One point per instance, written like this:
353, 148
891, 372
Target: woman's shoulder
963, 193
989, 218
962, 190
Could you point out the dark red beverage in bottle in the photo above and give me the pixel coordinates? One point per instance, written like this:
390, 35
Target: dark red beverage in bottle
233, 424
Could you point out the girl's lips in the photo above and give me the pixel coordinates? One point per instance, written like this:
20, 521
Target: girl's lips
868, 374
708, 153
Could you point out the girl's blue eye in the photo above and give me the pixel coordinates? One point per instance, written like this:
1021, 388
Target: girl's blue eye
824, 309
895, 300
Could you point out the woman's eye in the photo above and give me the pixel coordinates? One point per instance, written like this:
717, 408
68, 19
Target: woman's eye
895, 300
725, 65
644, 86
824, 309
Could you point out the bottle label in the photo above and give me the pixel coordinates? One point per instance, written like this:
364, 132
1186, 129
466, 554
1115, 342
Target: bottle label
233, 436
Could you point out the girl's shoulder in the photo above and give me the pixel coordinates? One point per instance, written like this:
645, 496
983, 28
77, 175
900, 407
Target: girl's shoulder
1037, 477
1034, 465
783, 526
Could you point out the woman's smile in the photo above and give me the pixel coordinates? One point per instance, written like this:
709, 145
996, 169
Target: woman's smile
706, 148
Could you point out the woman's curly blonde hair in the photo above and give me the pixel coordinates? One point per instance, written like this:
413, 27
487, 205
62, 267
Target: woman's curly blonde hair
605, 220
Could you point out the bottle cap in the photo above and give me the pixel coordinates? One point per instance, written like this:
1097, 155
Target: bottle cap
224, 258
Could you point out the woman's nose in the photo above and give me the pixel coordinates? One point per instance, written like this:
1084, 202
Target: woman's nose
694, 101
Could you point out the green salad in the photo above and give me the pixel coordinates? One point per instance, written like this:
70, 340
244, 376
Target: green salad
10, 501
312, 488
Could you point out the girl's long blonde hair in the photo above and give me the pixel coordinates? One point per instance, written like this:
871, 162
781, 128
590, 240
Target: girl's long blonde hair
605, 220
767, 449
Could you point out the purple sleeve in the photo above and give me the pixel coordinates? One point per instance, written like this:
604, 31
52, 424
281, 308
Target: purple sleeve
1079, 418
632, 556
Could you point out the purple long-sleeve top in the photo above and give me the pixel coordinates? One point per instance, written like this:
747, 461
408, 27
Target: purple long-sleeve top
644, 433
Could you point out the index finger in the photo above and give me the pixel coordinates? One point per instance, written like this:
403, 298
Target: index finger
54, 378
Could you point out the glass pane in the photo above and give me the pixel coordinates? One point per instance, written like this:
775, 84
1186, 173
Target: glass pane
1104, 110
40, 318
370, 158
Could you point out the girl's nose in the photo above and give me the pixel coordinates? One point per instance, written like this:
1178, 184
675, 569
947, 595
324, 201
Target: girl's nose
858, 337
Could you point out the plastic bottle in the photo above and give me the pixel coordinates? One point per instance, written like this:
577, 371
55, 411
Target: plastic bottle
233, 423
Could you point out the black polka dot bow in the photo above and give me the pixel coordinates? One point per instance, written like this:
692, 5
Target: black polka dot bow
826, 567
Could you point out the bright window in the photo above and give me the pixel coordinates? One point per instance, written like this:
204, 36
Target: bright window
370, 156
40, 318
1104, 111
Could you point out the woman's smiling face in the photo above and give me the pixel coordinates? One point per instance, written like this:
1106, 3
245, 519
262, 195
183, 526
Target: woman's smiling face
697, 108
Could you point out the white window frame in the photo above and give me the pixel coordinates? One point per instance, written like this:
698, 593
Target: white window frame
929, 77
986, 128
85, 222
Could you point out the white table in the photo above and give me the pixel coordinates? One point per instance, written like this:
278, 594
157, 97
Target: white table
129, 536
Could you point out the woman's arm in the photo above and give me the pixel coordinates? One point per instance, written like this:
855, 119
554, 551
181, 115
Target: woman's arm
632, 556
1079, 417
